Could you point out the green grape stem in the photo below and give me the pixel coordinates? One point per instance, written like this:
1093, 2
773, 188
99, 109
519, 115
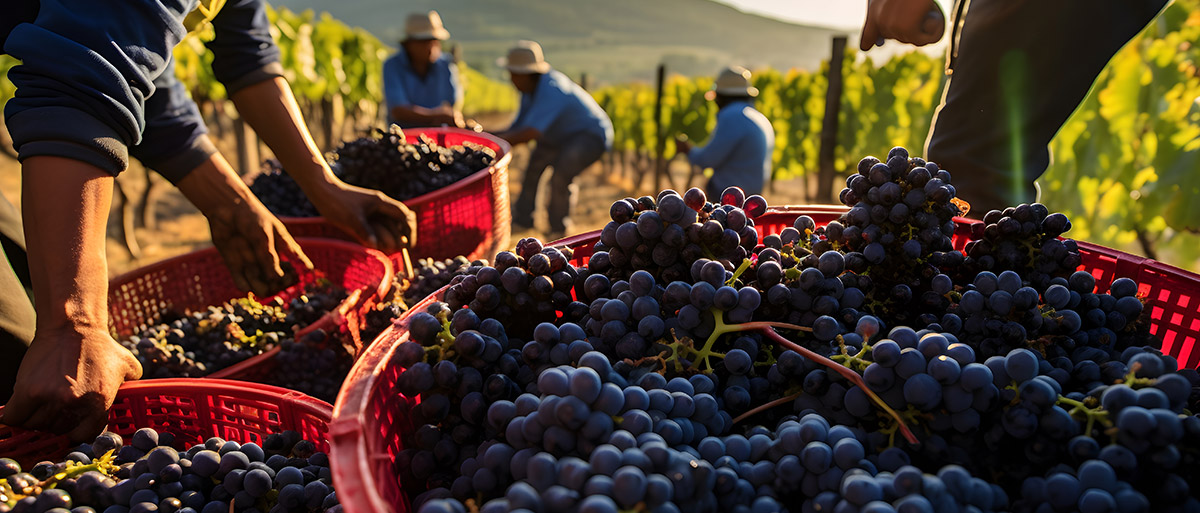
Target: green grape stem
738, 273
104, 464
1097, 414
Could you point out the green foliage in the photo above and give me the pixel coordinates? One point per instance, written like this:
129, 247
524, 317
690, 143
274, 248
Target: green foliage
1128, 160
483, 95
881, 107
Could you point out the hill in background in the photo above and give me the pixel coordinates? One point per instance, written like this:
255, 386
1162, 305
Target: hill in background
611, 40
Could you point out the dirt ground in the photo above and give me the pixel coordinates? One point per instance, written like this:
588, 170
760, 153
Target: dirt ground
178, 227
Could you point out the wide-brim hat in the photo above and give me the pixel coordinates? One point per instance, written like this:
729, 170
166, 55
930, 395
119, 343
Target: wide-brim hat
525, 58
425, 27
733, 81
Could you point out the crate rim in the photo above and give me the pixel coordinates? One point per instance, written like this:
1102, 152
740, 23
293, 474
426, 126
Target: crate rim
297, 404
328, 321
170, 262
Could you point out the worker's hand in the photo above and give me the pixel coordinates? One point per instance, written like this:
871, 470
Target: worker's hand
68, 380
682, 145
251, 240
917, 22
370, 216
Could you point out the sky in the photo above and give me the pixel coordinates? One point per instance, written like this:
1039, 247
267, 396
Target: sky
834, 13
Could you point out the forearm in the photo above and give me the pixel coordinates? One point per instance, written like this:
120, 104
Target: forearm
519, 135
272, 112
213, 186
416, 114
65, 205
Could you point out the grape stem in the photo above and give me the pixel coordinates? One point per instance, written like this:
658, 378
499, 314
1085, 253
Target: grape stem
738, 273
767, 406
103, 464
1093, 414
764, 328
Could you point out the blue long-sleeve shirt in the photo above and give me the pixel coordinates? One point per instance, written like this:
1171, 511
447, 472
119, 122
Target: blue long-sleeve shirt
739, 149
90, 70
561, 110
403, 87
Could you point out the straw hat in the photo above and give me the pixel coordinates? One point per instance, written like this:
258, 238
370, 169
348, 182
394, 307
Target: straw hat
425, 26
525, 58
733, 81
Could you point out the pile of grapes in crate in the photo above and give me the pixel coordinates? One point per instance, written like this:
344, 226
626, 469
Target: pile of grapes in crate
862, 366
429, 276
284, 475
199, 343
383, 161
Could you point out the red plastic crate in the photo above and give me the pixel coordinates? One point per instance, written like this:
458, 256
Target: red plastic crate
469, 218
370, 415
192, 410
199, 279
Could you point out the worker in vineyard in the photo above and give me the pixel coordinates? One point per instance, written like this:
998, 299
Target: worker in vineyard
741, 145
1017, 71
571, 130
420, 83
96, 85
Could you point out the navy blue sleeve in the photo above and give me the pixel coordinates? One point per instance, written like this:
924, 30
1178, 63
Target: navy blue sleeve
244, 53
87, 69
175, 140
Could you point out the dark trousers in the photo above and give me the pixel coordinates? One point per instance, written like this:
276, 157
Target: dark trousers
1019, 69
568, 160
16, 308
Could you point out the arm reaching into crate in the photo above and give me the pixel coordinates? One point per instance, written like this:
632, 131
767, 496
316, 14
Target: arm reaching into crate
73, 368
249, 238
374, 218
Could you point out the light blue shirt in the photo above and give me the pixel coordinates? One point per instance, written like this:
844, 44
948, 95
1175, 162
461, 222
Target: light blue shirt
739, 150
403, 87
561, 110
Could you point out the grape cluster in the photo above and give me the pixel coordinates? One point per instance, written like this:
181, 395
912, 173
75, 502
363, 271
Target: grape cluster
688, 368
315, 365
664, 236
1025, 239
898, 231
202, 342
284, 475
384, 161
431, 275
387, 162
280, 193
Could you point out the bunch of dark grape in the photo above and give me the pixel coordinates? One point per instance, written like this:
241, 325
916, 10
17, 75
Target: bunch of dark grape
381, 160
431, 275
805, 374
284, 475
199, 343
316, 364
1025, 239
898, 230
280, 193
666, 235
387, 162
